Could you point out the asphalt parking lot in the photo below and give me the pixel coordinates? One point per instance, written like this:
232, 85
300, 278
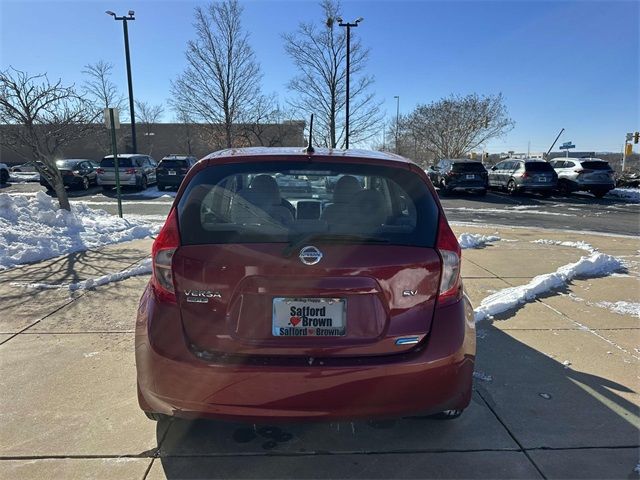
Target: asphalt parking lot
555, 395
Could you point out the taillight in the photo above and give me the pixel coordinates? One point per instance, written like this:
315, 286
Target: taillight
164, 247
130, 171
449, 250
525, 175
100, 171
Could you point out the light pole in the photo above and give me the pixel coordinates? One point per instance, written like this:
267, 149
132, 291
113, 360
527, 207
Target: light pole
397, 97
124, 20
348, 27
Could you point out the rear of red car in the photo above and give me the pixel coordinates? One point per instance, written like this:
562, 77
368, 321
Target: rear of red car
270, 302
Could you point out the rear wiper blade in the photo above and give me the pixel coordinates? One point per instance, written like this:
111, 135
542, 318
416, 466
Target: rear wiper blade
330, 237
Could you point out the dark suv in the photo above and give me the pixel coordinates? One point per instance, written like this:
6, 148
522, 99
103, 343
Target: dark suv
260, 309
460, 175
523, 175
172, 169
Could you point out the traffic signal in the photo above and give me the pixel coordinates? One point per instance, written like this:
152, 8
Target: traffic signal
628, 149
636, 137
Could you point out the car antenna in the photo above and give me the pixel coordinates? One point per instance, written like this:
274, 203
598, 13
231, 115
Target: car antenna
310, 148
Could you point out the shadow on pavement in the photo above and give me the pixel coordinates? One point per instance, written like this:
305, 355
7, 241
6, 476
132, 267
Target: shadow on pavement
532, 403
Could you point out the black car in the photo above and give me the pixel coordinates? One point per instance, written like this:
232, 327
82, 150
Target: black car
76, 173
459, 175
172, 169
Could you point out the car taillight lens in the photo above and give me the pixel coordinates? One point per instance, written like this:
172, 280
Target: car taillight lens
525, 175
100, 171
449, 250
130, 171
164, 247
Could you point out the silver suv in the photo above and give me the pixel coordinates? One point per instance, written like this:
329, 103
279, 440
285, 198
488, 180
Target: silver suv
135, 170
584, 174
523, 175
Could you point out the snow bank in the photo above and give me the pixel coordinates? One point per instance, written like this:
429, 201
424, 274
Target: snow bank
34, 229
152, 192
580, 245
143, 268
516, 210
474, 240
631, 194
622, 307
595, 264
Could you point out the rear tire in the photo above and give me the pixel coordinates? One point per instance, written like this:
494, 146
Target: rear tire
444, 190
143, 183
563, 188
482, 193
4, 177
160, 188
447, 415
600, 193
512, 188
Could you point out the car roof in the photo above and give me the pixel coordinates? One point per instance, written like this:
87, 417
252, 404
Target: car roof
127, 155
303, 154
177, 157
72, 160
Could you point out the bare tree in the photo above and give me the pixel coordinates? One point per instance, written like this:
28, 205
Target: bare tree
319, 51
100, 90
147, 115
453, 126
182, 117
222, 78
42, 118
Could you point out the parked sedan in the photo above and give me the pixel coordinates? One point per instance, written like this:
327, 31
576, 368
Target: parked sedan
134, 170
523, 175
584, 174
76, 173
172, 169
25, 168
460, 175
255, 314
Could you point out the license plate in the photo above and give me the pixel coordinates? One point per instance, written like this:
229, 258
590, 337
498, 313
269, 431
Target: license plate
171, 172
470, 177
309, 317
541, 179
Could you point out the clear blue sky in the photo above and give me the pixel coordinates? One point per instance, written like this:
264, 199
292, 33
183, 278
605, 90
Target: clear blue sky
572, 64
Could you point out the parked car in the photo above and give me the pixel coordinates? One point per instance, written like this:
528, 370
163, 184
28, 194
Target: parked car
135, 170
584, 174
172, 169
24, 168
4, 174
523, 175
78, 173
460, 175
353, 309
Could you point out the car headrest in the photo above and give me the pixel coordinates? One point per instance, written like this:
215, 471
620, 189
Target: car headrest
265, 187
346, 187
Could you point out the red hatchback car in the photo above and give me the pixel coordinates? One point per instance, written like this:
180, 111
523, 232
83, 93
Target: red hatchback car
275, 299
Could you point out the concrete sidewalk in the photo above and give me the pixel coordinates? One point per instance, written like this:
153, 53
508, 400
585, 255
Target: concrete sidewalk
556, 394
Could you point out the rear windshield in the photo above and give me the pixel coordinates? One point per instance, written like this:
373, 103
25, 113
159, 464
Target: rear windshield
122, 162
538, 167
66, 163
173, 163
468, 167
595, 165
271, 202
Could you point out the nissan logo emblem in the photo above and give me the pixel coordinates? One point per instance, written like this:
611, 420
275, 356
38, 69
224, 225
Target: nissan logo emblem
310, 255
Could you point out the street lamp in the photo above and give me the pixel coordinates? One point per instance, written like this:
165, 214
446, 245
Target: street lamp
397, 97
348, 26
124, 20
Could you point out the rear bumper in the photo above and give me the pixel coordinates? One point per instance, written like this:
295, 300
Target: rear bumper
435, 377
590, 186
537, 187
172, 180
128, 180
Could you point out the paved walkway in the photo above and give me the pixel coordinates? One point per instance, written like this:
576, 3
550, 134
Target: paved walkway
556, 397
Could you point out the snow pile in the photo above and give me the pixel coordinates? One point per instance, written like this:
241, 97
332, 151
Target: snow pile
34, 229
143, 268
594, 265
581, 245
622, 308
152, 192
474, 240
631, 194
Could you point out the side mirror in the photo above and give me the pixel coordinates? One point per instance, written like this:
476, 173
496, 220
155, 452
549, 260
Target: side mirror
495, 167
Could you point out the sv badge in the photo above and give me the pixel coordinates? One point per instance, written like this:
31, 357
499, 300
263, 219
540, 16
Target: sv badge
409, 293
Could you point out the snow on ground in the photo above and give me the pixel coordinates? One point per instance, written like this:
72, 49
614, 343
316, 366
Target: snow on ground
143, 268
622, 307
580, 245
516, 210
474, 240
34, 229
596, 264
631, 194
151, 192
22, 177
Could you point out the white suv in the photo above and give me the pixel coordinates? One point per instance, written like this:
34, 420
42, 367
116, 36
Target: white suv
584, 174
